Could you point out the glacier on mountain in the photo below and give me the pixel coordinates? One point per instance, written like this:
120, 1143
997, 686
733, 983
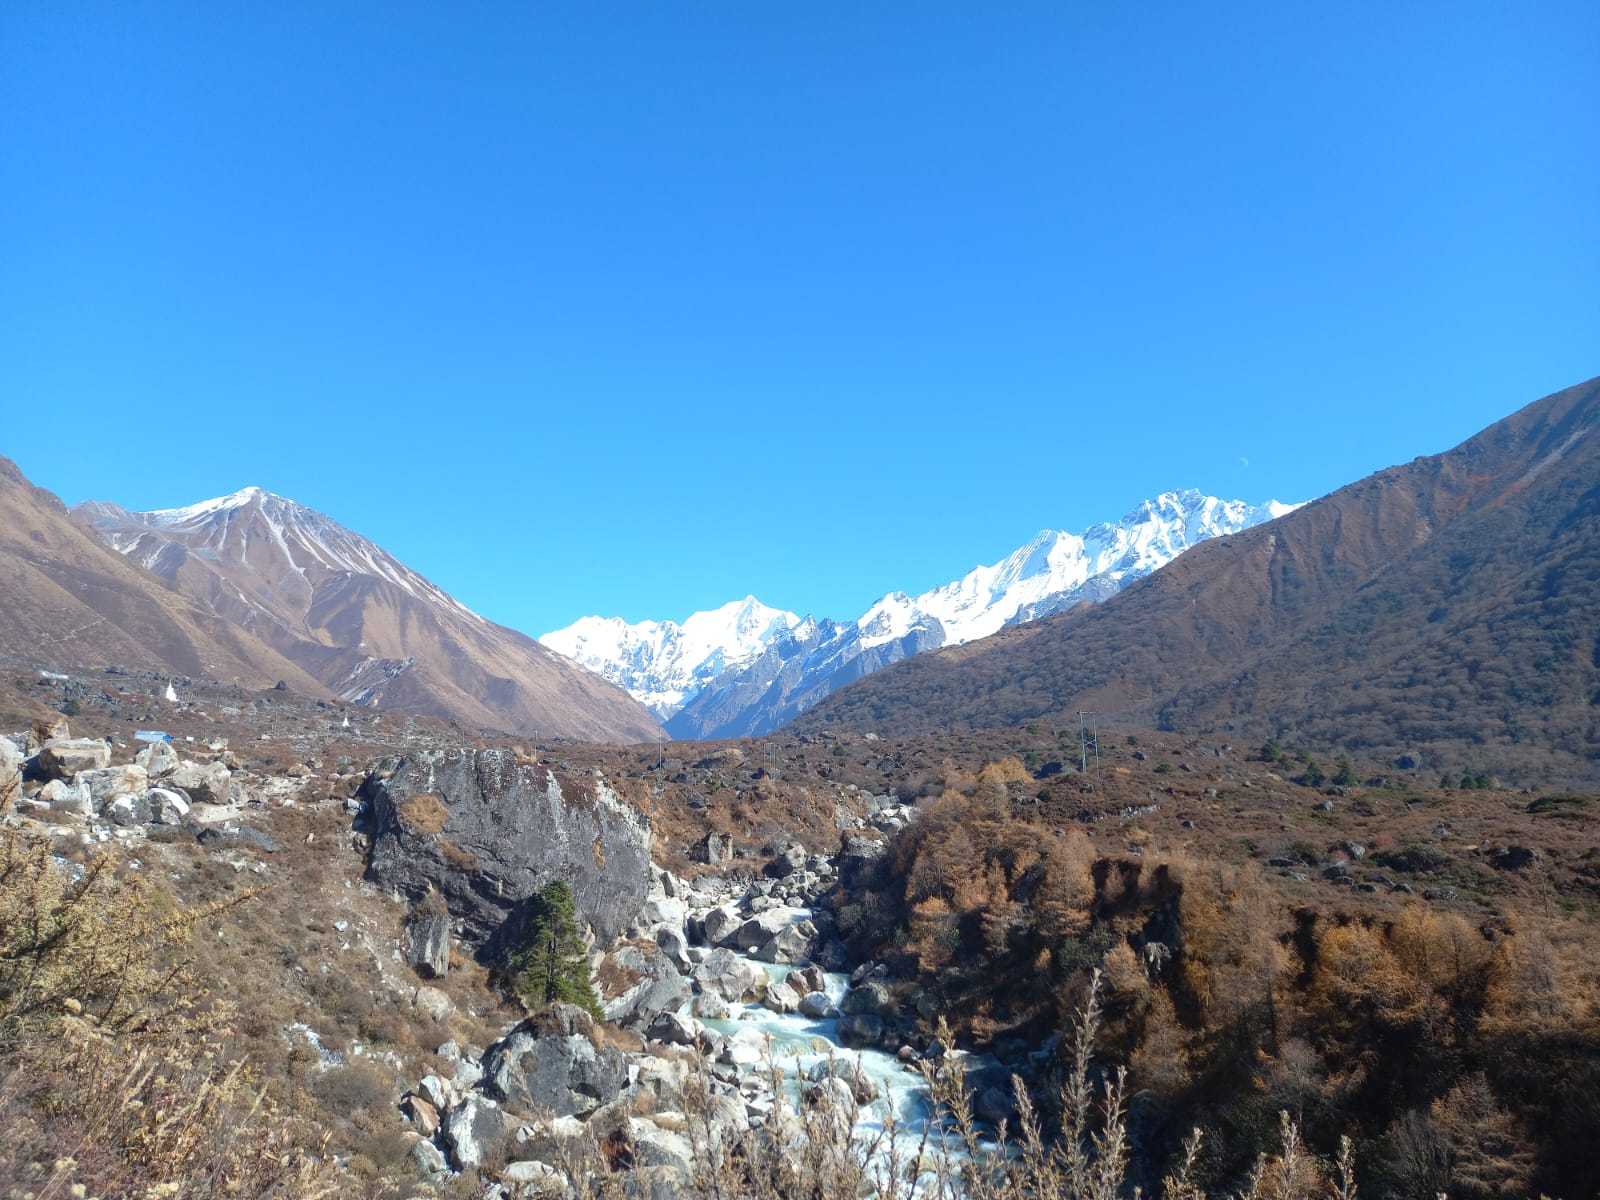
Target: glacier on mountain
744, 669
664, 664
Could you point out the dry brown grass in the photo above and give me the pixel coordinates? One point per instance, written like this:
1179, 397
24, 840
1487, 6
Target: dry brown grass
424, 813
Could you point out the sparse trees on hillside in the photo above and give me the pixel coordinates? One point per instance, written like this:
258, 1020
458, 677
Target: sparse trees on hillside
553, 964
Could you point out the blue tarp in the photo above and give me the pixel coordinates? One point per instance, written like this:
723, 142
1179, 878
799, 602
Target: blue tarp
151, 735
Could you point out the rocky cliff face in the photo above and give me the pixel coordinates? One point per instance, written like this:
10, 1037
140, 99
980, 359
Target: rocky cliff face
487, 831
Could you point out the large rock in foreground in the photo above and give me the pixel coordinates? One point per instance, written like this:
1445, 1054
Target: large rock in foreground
553, 1063
486, 832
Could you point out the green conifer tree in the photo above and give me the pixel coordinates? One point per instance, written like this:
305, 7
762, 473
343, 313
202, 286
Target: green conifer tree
553, 966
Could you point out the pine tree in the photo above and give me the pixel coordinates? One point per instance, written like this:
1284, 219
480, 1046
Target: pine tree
553, 965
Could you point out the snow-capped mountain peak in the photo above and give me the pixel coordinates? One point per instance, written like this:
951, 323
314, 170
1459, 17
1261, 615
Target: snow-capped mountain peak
276, 536
191, 513
666, 663
713, 675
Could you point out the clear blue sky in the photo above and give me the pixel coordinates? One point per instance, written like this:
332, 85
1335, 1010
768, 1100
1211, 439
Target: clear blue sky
633, 308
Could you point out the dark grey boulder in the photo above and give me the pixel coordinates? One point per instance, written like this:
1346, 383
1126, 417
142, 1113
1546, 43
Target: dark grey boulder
551, 1064
868, 999
474, 1131
714, 849
860, 1030
216, 837
1512, 858
487, 831
426, 944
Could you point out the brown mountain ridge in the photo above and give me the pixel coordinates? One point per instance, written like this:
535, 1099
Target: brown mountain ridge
66, 599
367, 627
1448, 608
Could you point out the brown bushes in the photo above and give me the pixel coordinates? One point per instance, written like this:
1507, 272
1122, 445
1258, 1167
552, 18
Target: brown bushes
1230, 1002
113, 1076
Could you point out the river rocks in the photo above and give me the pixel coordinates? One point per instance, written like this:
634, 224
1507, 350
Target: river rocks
63, 758
638, 983
662, 910
860, 1030
487, 832
205, 782
787, 861
425, 945
993, 1104
674, 945
790, 944
780, 998
720, 924
759, 929
862, 1089
709, 1006
817, 1006
674, 1029
727, 975
869, 998
807, 978
550, 1063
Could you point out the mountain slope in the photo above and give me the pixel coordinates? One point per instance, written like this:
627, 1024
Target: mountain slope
371, 629
66, 599
779, 666
1451, 603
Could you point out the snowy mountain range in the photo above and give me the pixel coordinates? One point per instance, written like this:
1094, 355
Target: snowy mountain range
664, 664
745, 668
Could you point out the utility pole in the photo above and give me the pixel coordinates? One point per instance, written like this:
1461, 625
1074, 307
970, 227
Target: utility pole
1089, 743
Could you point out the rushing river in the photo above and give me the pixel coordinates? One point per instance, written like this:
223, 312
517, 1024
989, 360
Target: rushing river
799, 1043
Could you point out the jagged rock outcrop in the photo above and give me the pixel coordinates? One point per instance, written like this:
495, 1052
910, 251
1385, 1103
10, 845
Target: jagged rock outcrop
487, 831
